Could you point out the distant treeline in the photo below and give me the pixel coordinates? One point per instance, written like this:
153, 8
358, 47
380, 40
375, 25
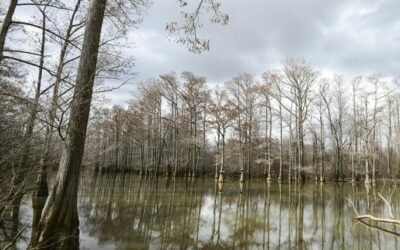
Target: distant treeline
290, 124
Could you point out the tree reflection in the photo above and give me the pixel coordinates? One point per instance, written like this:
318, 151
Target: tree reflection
10, 225
131, 212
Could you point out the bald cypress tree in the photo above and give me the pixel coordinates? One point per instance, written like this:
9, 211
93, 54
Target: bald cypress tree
60, 216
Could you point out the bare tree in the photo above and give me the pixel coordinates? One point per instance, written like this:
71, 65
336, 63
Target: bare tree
355, 132
266, 91
299, 78
34, 108
57, 216
41, 183
221, 115
243, 90
321, 110
335, 120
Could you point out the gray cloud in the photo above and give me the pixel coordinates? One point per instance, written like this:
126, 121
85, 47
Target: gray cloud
348, 37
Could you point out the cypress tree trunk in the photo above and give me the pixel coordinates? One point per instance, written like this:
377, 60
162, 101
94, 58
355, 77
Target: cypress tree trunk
280, 138
6, 25
59, 222
322, 148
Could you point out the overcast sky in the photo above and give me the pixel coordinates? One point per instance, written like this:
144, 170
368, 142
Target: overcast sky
356, 37
346, 37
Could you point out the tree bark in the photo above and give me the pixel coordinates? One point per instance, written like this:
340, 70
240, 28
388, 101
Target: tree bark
6, 25
59, 222
322, 147
280, 138
269, 141
221, 171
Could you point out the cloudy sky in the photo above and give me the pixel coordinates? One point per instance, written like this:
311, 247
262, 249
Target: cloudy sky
348, 37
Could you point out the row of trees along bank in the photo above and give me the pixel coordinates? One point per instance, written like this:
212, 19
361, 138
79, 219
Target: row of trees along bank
288, 124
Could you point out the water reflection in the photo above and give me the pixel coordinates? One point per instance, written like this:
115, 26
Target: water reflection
129, 212
10, 226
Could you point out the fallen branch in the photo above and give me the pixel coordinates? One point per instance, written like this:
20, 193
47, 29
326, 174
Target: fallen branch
373, 227
377, 219
373, 218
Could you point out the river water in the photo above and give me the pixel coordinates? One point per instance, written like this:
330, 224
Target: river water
129, 212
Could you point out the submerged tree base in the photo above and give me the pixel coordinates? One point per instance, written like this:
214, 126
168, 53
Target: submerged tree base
41, 189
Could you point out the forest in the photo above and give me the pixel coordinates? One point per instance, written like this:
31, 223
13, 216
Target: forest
292, 124
289, 125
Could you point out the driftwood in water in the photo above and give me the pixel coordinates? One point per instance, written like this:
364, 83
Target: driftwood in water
377, 219
390, 220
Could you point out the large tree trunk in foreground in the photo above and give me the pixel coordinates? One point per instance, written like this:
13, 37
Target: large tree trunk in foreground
6, 25
59, 222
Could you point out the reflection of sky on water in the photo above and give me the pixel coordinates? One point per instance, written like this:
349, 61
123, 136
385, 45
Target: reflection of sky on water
115, 214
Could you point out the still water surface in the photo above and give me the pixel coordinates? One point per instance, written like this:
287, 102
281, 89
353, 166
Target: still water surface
129, 212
